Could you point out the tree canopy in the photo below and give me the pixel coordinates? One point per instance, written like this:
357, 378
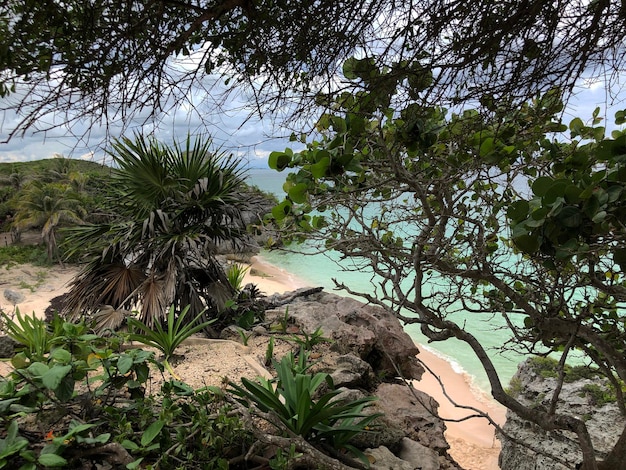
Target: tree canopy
64, 62
503, 211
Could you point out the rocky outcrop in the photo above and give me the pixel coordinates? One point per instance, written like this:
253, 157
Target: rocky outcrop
557, 450
369, 332
369, 350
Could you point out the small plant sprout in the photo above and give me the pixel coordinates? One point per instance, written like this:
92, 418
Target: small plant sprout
167, 339
235, 275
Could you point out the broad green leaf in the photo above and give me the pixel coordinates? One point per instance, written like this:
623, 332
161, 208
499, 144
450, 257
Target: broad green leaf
570, 216
281, 210
486, 147
61, 355
52, 460
153, 431
541, 185
278, 161
518, 210
37, 369
53, 377
318, 170
298, 193
124, 364
527, 243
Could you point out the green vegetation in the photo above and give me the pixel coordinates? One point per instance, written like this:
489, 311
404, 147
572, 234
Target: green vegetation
166, 339
298, 400
599, 394
498, 212
235, 274
67, 402
13, 255
172, 205
547, 367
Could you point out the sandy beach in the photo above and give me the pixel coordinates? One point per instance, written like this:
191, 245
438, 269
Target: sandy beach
472, 441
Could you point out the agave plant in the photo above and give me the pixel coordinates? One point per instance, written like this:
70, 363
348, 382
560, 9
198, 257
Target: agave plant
173, 205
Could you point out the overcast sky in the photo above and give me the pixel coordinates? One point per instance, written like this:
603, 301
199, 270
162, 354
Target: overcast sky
251, 139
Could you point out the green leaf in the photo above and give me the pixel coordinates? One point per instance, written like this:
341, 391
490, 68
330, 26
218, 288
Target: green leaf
153, 431
279, 160
61, 355
298, 193
486, 147
281, 210
37, 369
53, 377
527, 243
570, 216
576, 125
518, 210
52, 460
124, 364
135, 464
541, 185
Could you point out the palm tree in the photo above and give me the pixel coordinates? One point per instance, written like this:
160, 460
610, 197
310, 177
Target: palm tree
174, 204
48, 206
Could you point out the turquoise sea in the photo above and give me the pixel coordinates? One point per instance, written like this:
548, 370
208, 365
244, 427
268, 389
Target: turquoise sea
319, 270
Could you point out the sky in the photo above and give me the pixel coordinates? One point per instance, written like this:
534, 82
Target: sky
230, 128
232, 131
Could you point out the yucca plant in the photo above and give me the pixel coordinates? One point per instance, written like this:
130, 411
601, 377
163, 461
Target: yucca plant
235, 274
31, 332
291, 398
167, 339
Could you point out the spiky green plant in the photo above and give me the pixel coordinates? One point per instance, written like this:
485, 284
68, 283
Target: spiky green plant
166, 339
173, 205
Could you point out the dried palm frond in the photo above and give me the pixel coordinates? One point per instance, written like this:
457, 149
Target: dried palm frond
108, 320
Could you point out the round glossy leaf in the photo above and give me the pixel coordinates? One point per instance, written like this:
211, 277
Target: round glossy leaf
541, 185
527, 243
572, 194
281, 210
318, 170
298, 193
518, 210
278, 160
570, 217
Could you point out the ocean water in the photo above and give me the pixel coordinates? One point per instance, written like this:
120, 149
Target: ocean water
320, 269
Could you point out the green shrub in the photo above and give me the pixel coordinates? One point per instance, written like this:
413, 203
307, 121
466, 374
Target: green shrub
167, 339
599, 395
13, 255
291, 397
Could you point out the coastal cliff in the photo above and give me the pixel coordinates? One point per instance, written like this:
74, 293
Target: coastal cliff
586, 398
369, 350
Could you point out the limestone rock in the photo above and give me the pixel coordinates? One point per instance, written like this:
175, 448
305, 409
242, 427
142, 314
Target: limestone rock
605, 424
382, 458
352, 371
418, 455
370, 332
415, 414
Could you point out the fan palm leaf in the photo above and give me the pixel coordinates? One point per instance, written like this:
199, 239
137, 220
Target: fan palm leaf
174, 205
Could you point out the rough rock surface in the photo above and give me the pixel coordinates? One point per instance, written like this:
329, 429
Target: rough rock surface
605, 424
367, 342
367, 331
7, 347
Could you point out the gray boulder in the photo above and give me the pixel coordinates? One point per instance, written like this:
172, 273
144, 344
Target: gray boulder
367, 331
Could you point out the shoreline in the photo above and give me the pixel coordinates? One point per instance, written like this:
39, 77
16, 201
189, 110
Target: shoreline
472, 441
